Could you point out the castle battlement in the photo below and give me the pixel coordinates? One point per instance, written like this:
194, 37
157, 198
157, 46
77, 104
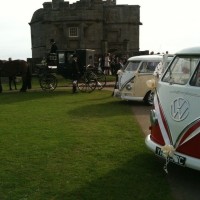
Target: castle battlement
61, 4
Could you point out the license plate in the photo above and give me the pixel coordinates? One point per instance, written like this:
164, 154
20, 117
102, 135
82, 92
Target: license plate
179, 160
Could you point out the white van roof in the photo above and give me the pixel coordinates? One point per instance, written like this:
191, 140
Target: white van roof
146, 57
189, 51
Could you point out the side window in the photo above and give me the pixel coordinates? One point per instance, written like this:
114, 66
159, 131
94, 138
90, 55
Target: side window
61, 58
195, 81
151, 66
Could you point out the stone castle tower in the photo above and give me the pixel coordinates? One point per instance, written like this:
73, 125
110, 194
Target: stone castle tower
101, 25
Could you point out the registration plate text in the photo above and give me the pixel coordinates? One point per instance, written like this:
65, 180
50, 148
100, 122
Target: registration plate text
179, 160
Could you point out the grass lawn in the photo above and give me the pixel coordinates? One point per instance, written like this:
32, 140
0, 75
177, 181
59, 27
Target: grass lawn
60, 146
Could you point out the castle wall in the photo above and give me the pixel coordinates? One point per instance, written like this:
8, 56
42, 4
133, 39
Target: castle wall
102, 26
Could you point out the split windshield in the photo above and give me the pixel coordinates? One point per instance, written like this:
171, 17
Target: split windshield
181, 70
145, 67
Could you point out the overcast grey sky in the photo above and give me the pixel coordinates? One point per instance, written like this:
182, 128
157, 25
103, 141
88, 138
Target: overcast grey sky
168, 25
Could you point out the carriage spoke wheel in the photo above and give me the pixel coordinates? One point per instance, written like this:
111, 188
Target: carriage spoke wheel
87, 84
48, 82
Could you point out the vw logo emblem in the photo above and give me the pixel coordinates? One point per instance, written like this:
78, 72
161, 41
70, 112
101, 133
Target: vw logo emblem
179, 109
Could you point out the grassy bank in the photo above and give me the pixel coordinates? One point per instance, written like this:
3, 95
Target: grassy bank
74, 147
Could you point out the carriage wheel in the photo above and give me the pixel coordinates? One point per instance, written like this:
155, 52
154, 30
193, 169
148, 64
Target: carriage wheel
101, 79
87, 83
48, 82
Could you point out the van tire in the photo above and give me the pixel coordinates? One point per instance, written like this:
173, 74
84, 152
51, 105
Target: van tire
148, 99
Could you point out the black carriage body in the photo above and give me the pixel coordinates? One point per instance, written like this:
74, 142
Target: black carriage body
85, 58
62, 61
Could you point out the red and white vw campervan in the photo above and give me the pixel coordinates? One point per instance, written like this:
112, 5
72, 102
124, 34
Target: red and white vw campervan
175, 119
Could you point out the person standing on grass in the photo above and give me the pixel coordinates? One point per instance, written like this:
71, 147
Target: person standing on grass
107, 69
118, 66
75, 73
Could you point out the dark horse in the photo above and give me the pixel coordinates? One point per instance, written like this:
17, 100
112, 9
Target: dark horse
12, 79
16, 67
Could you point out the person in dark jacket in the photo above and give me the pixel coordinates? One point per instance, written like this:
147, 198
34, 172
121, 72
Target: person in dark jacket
51, 57
54, 47
75, 73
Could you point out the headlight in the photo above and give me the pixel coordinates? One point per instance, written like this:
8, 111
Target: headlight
129, 86
151, 83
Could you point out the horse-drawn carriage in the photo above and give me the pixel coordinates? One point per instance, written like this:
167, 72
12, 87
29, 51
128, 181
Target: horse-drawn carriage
58, 63
61, 63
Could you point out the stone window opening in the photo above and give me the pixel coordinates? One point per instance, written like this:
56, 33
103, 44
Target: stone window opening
73, 31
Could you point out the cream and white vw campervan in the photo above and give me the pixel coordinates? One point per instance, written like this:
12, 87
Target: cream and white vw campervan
175, 119
132, 78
